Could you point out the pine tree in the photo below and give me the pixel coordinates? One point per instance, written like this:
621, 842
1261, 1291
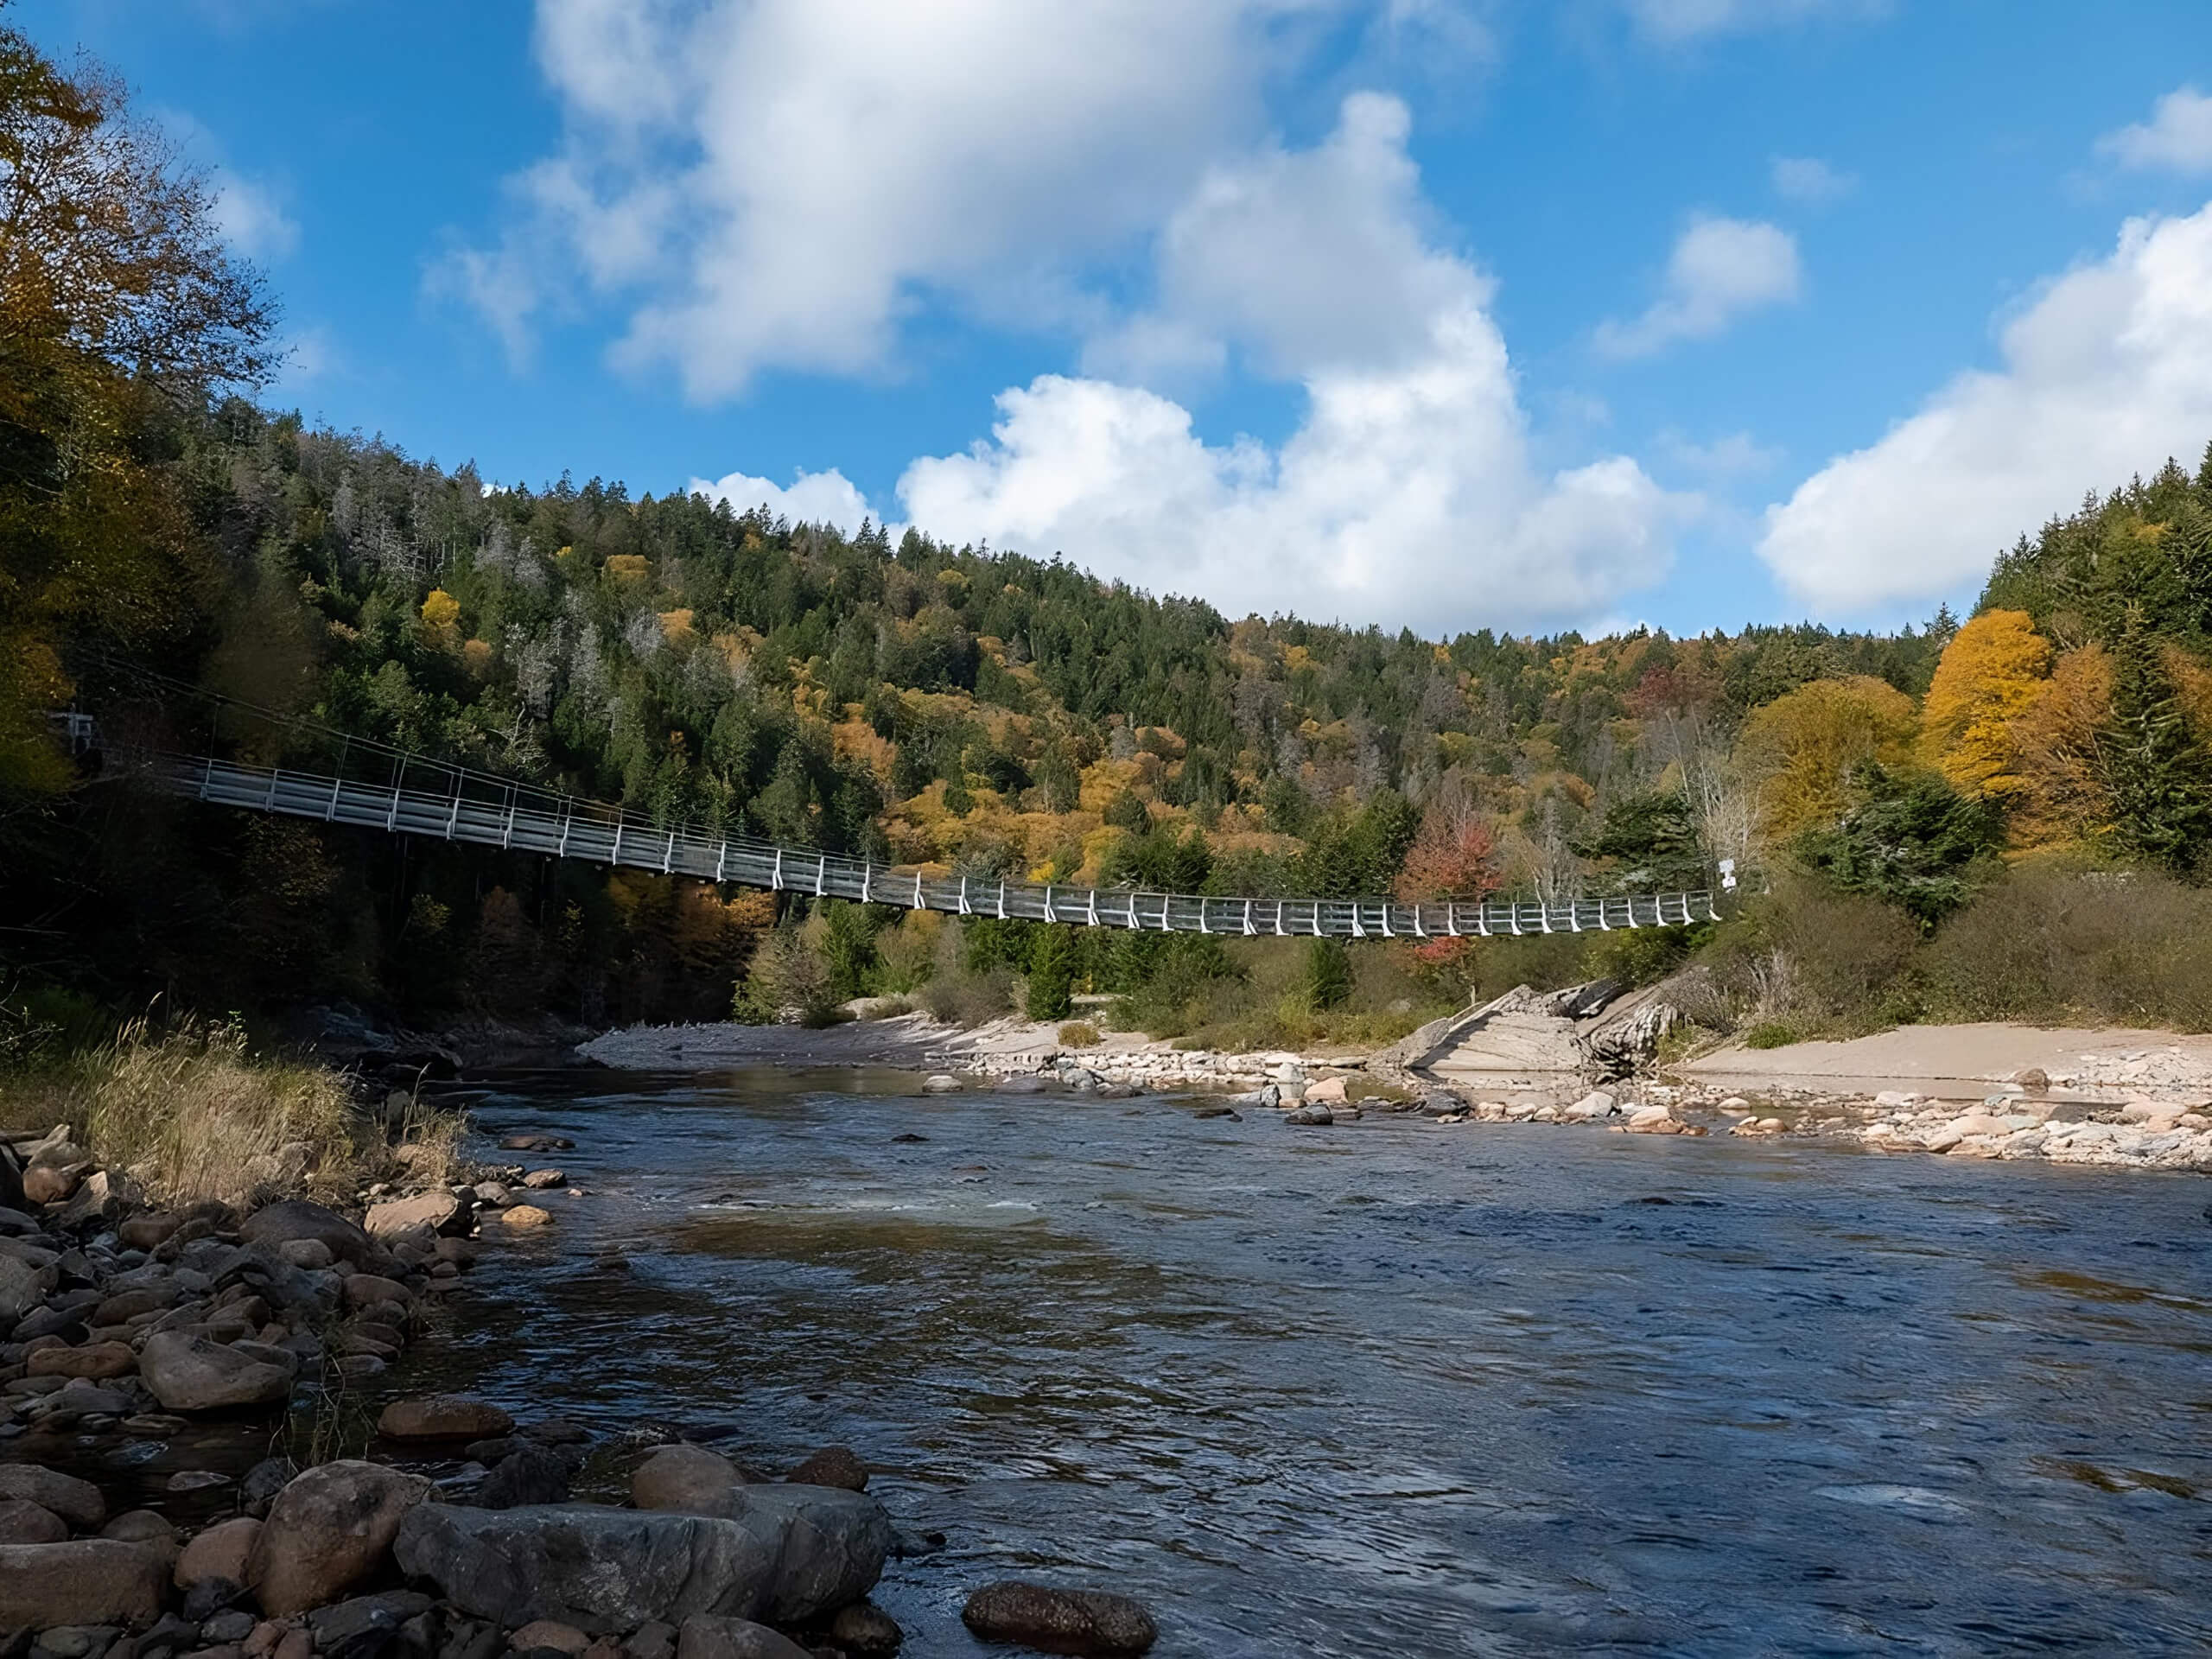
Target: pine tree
1051, 975
2157, 771
1328, 975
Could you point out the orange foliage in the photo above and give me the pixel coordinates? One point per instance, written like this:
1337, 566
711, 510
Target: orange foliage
1991, 670
2057, 745
1452, 857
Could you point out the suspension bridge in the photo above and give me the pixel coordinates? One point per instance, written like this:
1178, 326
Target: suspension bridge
483, 810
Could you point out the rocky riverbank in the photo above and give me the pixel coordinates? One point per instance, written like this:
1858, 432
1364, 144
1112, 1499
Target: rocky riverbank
206, 1338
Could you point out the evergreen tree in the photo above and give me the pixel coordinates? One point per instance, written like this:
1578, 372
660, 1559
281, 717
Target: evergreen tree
2157, 770
1328, 975
1051, 975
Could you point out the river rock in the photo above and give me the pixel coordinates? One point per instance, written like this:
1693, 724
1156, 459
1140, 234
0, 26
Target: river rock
327, 1531
1310, 1117
103, 1196
549, 1633
526, 1216
541, 1180
438, 1210
53, 1183
99, 1359
865, 1631
276, 1224
365, 1290
941, 1083
530, 1474
220, 1552
443, 1417
22, 1287
1327, 1092
1597, 1103
1060, 1621
366, 1626
78, 1502
189, 1373
789, 1553
308, 1255
22, 1521
833, 1465
84, 1581
706, 1637
148, 1230
1653, 1120
687, 1479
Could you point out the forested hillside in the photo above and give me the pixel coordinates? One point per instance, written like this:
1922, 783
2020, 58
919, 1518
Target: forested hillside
988, 713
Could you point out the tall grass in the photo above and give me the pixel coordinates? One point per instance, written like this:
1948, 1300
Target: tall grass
189, 1113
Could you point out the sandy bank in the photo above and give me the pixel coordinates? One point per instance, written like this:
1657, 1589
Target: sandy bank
2115, 1063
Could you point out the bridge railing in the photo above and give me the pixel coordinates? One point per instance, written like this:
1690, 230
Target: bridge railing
483, 810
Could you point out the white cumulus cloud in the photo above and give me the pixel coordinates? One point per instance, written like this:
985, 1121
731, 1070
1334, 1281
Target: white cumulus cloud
779, 183
828, 498
2105, 374
1808, 178
1721, 269
1408, 495
2177, 136
252, 219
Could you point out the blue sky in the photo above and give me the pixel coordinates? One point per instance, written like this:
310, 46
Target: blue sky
1440, 313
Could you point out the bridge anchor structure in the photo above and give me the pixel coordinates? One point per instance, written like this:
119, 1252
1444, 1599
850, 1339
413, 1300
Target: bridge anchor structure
482, 809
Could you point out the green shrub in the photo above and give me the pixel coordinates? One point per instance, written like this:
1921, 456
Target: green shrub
1771, 1034
2054, 942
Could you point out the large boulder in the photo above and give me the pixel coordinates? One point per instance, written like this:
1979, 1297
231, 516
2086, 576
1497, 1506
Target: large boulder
85, 1581
189, 1373
440, 1211
78, 1502
443, 1417
278, 1223
687, 1479
707, 1638
1060, 1621
327, 1531
787, 1553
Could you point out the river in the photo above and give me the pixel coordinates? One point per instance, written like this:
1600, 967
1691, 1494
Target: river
1391, 1389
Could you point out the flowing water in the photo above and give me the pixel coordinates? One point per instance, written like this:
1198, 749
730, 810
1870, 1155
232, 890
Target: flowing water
1391, 1389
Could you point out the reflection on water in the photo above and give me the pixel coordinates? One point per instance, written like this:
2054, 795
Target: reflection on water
1389, 1388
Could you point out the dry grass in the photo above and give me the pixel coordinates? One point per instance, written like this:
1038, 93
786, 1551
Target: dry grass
190, 1112
1080, 1034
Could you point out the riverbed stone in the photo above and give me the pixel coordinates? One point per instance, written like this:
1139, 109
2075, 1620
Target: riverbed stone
684, 1478
329, 1530
1314, 1116
541, 1180
833, 1465
22, 1521
277, 1223
440, 1211
443, 1417
865, 1631
549, 1633
706, 1637
83, 1581
783, 1553
526, 1475
189, 1373
525, 1217
97, 1359
22, 1287
220, 1552
1328, 1091
78, 1502
1060, 1621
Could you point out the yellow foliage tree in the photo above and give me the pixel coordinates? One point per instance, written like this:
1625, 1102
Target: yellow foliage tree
1798, 751
2057, 743
441, 618
1991, 670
